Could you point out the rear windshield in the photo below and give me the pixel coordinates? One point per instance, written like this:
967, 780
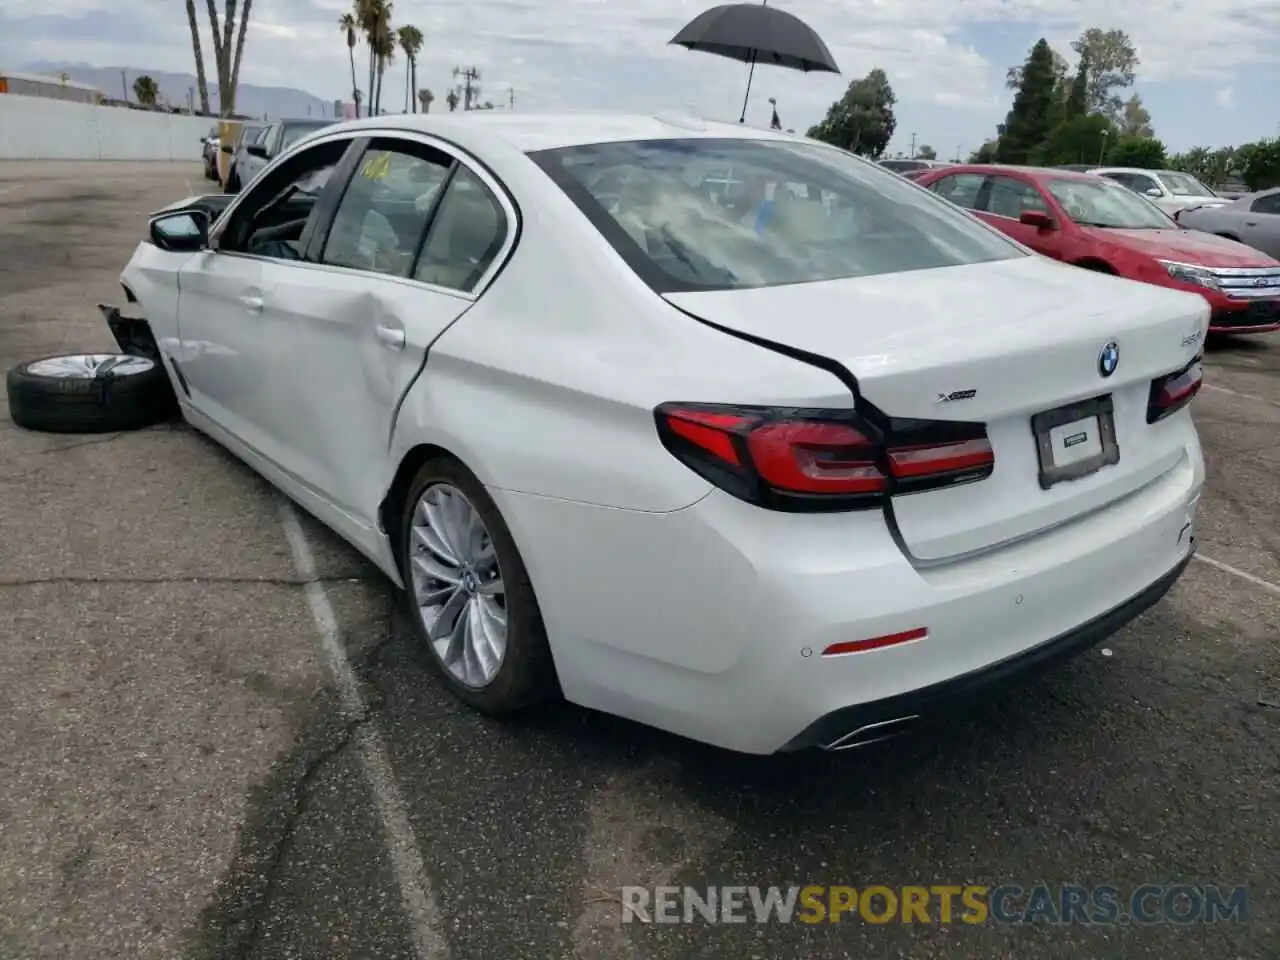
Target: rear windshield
1183, 185
293, 132
724, 214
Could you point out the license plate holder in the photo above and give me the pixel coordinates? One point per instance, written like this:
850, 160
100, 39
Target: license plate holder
1076, 440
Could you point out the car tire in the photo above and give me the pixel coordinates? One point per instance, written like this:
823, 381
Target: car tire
525, 674
89, 393
232, 184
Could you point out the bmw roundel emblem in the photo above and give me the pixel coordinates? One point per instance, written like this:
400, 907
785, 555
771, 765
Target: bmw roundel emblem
1109, 359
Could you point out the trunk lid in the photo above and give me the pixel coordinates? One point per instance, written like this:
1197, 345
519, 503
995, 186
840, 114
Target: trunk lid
1026, 335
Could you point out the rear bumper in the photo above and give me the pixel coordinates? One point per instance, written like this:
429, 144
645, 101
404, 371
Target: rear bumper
716, 622
841, 728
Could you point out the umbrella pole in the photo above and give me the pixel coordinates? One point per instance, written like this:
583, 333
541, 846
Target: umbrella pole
750, 76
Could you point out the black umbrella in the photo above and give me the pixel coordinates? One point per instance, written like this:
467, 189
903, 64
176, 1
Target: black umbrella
757, 33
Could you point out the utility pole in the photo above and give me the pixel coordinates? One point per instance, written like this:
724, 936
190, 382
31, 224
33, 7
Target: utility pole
124, 85
469, 90
913, 144
511, 98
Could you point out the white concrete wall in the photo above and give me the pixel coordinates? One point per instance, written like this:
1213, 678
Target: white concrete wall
40, 128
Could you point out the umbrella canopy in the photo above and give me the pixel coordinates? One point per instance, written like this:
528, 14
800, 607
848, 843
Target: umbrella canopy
755, 33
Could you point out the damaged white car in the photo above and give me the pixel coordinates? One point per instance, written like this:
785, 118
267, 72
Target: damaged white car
794, 467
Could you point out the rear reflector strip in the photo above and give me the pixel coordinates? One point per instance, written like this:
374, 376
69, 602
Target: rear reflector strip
875, 643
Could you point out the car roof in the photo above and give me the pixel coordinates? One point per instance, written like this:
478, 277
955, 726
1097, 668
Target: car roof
1036, 173
529, 132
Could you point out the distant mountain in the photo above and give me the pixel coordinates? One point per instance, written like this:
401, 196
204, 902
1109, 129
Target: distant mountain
271, 102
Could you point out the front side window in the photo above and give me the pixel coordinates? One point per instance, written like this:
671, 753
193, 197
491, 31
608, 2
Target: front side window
271, 218
1008, 197
1134, 181
1091, 203
804, 212
1185, 185
383, 214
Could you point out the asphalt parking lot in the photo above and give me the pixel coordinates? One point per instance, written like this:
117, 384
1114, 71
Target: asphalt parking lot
183, 772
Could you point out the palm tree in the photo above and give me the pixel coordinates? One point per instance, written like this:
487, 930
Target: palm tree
452, 99
384, 47
202, 84
347, 24
411, 41
367, 15
425, 99
144, 88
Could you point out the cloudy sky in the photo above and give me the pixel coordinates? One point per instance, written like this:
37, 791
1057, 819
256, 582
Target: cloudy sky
1210, 69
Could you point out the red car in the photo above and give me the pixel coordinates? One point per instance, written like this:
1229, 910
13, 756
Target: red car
1097, 224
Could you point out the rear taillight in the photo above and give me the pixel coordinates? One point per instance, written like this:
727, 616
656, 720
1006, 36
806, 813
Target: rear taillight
1170, 394
791, 459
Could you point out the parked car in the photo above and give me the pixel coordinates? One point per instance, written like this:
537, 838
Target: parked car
1254, 219
248, 134
1170, 190
1093, 222
253, 155
788, 432
912, 166
209, 153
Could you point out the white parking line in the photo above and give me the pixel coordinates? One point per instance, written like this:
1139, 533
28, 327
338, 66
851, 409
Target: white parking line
187, 184
1227, 568
402, 847
1237, 393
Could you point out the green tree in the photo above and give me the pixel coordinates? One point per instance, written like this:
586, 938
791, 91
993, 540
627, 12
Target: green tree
1029, 121
862, 120
145, 90
1078, 98
926, 152
1147, 153
1078, 140
1135, 120
1112, 61
985, 153
1260, 164
425, 99
1061, 70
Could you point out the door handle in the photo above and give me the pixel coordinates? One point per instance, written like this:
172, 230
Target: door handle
392, 338
252, 304
1251, 223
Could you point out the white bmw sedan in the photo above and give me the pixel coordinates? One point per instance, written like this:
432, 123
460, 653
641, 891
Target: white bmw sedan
788, 465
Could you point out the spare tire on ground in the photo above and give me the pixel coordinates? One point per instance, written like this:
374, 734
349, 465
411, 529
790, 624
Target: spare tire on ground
89, 393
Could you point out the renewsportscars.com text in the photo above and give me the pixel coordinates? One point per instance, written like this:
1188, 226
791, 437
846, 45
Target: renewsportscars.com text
967, 904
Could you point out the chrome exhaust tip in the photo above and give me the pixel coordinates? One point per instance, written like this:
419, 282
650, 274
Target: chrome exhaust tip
872, 733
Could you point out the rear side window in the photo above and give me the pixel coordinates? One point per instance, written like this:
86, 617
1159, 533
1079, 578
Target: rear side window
1268, 204
799, 212
962, 189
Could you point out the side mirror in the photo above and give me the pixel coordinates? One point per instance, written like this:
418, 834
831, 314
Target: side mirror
256, 150
1038, 219
187, 230
1153, 192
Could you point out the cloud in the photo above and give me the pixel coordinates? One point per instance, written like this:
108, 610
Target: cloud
1225, 98
614, 55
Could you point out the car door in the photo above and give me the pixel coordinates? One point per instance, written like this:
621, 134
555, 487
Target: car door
232, 362
1260, 225
415, 233
1005, 199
